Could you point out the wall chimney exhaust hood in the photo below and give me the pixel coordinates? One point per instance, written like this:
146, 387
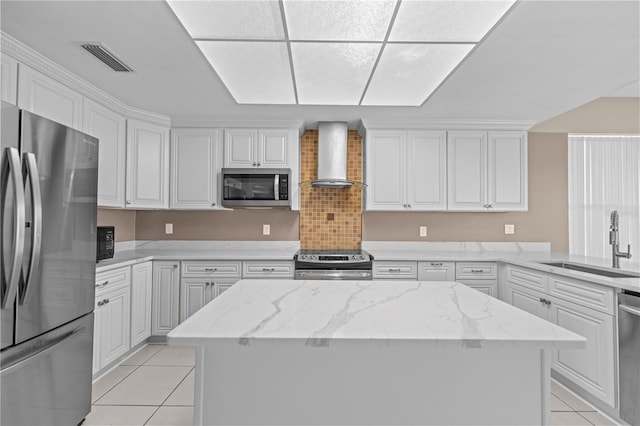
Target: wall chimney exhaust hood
332, 156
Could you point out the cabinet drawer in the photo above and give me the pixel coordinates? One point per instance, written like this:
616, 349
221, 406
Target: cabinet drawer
527, 278
395, 270
583, 293
268, 269
476, 270
111, 280
436, 271
203, 269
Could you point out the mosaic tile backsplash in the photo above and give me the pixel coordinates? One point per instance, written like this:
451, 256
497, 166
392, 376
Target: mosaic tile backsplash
330, 218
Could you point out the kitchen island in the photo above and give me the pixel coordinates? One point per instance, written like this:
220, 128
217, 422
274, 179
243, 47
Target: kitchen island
368, 352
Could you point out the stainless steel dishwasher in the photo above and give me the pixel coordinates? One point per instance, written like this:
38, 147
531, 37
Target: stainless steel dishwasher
629, 345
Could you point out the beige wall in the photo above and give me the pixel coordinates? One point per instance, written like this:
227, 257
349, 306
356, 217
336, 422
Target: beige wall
239, 224
123, 220
546, 219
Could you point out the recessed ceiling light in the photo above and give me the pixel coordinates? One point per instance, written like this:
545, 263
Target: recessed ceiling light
234, 20
352, 20
332, 73
254, 72
408, 73
437, 20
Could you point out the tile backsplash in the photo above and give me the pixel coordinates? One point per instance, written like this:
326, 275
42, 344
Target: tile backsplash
330, 218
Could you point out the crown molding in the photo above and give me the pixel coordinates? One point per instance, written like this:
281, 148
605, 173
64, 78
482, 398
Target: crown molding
190, 122
444, 124
25, 55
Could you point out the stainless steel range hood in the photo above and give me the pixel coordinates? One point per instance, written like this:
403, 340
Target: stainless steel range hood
332, 155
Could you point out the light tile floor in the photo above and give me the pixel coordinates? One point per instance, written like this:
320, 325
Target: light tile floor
155, 386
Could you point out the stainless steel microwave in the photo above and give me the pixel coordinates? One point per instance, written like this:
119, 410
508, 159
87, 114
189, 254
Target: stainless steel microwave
256, 187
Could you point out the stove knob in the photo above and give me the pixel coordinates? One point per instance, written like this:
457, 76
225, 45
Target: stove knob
313, 257
362, 257
303, 257
354, 257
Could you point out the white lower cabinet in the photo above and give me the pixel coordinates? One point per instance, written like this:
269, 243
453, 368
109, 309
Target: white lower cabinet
112, 317
141, 290
482, 276
436, 271
166, 294
395, 270
194, 294
591, 368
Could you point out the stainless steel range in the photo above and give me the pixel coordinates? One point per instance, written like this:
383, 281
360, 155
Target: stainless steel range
333, 265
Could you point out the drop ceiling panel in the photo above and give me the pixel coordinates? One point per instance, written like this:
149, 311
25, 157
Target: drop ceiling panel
353, 20
408, 73
254, 72
451, 21
332, 73
230, 19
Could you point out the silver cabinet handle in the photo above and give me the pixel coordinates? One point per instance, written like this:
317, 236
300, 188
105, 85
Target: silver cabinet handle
630, 309
128, 201
105, 301
103, 284
175, 266
254, 164
36, 230
436, 264
409, 205
394, 270
545, 301
475, 271
213, 204
211, 269
100, 303
259, 164
268, 269
13, 170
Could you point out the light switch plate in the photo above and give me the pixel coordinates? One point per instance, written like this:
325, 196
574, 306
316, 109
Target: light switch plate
168, 228
266, 229
509, 229
423, 231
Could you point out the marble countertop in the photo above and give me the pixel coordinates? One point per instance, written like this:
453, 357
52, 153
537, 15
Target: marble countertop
321, 313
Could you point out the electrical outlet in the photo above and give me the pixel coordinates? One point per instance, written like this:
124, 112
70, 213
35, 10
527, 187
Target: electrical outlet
423, 231
509, 229
266, 229
168, 228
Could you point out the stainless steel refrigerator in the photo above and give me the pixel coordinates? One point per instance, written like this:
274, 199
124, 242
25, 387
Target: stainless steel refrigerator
48, 224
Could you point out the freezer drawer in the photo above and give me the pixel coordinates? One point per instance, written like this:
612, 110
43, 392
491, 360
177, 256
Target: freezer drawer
47, 380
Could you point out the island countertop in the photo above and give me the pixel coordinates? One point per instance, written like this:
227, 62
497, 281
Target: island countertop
323, 313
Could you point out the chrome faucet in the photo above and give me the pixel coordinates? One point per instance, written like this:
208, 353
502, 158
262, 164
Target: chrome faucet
613, 240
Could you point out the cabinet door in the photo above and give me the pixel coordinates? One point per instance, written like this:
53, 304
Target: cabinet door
110, 129
98, 332
223, 285
507, 165
147, 165
44, 96
385, 170
240, 147
141, 290
194, 174
166, 293
194, 294
436, 271
592, 368
488, 287
426, 170
467, 170
273, 148
8, 79
527, 300
115, 340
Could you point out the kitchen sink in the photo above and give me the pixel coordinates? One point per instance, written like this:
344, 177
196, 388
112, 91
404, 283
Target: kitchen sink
590, 270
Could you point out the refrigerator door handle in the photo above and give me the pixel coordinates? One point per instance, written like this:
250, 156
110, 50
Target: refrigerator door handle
13, 170
43, 351
36, 231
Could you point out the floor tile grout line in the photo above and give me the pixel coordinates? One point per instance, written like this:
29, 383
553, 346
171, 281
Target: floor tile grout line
178, 385
151, 416
115, 384
586, 418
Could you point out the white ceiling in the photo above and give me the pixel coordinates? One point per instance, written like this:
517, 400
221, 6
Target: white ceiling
543, 58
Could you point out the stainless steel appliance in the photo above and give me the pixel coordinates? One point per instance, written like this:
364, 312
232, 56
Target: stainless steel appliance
256, 187
48, 233
629, 352
105, 242
333, 265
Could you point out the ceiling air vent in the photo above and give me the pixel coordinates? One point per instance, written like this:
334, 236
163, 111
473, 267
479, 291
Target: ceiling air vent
101, 52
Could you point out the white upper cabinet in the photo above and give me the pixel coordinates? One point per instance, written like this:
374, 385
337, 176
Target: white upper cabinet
110, 129
195, 157
147, 165
8, 79
246, 148
507, 165
487, 171
406, 171
48, 98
